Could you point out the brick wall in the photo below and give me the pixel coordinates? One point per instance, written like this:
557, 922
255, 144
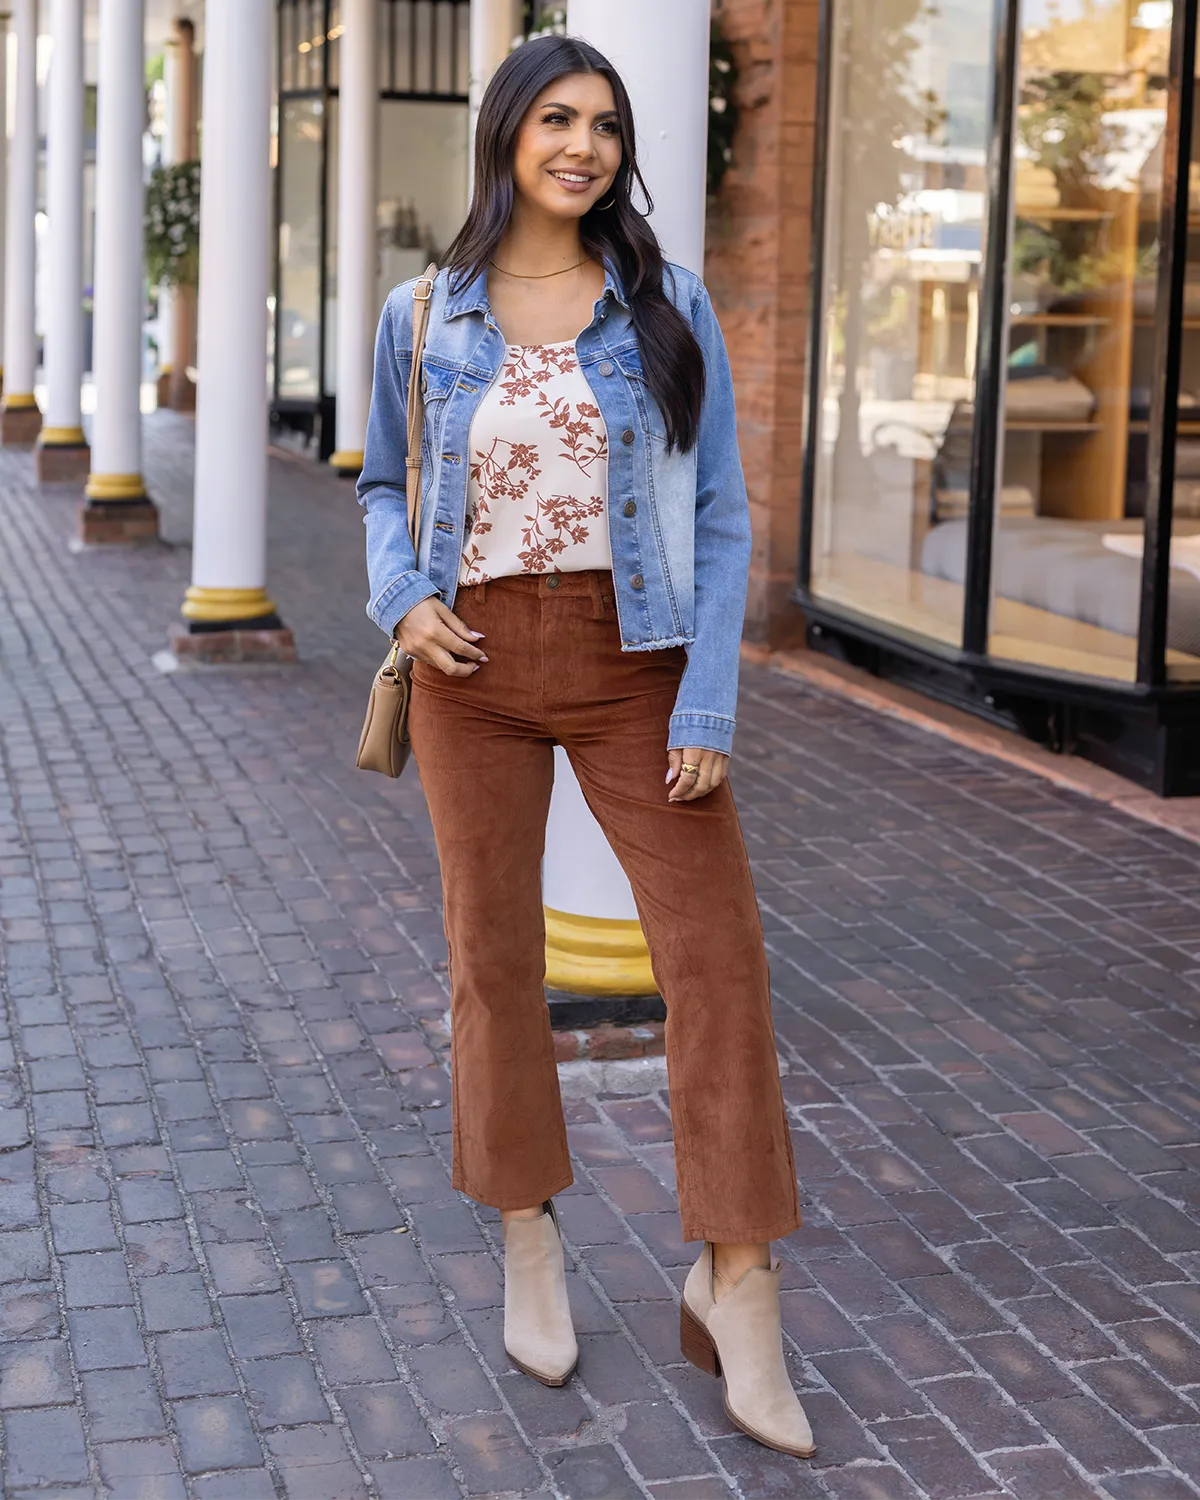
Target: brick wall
756, 266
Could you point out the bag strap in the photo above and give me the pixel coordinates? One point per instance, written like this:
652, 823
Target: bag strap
422, 293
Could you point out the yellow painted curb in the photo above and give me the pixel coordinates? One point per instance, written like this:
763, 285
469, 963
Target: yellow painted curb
115, 487
346, 459
596, 956
226, 604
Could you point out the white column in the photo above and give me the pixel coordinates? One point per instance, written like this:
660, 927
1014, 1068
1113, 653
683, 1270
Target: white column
494, 24
64, 206
21, 418
661, 51
594, 944
118, 280
358, 245
229, 557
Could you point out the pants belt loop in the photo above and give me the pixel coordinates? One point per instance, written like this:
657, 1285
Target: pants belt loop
595, 580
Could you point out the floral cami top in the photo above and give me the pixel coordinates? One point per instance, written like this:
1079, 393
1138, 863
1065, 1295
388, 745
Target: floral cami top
538, 481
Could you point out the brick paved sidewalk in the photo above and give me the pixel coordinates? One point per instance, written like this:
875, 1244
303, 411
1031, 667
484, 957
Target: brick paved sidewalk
231, 1265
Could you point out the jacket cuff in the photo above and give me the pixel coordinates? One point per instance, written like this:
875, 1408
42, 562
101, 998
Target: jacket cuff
394, 601
703, 731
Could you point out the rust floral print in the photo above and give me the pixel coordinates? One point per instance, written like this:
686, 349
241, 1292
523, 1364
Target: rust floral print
538, 480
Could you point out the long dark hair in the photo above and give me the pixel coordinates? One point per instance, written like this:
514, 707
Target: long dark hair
671, 358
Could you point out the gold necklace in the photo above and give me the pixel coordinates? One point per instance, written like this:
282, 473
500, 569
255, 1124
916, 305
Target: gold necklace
545, 276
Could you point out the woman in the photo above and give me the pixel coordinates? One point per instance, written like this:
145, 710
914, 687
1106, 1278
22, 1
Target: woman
580, 579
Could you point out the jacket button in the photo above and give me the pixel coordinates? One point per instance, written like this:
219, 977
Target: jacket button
552, 581
630, 507
637, 581
627, 436
605, 598
607, 367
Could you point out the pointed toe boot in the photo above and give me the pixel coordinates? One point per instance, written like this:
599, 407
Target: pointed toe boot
741, 1337
538, 1333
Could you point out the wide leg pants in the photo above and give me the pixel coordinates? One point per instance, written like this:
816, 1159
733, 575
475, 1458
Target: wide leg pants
485, 748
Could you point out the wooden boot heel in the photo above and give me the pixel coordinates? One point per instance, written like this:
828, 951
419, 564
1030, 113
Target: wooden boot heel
696, 1343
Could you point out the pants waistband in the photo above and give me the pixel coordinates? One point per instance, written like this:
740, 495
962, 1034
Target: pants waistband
594, 583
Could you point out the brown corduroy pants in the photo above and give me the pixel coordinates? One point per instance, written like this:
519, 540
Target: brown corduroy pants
484, 745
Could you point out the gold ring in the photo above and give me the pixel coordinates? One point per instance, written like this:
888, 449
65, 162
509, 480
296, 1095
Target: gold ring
690, 770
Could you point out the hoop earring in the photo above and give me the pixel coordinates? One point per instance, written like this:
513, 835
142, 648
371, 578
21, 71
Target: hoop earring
600, 207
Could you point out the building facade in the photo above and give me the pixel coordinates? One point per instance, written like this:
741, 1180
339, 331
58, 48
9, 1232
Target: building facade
1001, 488
951, 257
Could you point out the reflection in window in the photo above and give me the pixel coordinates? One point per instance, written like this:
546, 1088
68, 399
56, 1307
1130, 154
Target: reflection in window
1088, 146
298, 315
905, 210
422, 197
1183, 615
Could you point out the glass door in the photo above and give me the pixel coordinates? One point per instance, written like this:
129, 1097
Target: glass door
298, 286
1088, 144
905, 219
1183, 578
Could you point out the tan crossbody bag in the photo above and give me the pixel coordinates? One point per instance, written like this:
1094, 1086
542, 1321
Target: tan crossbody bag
384, 743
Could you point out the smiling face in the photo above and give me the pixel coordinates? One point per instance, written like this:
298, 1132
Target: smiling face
568, 149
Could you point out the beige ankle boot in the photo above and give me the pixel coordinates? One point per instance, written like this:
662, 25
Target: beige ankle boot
538, 1333
741, 1337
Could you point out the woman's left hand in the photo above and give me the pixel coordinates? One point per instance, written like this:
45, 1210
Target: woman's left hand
692, 774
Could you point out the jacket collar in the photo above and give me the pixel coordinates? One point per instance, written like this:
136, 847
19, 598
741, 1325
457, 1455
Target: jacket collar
473, 296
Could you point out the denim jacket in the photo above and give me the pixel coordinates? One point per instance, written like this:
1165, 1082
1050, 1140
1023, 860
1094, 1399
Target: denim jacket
679, 523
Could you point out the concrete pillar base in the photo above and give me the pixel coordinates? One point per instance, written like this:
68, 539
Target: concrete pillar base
608, 1043
19, 426
263, 640
571, 1012
62, 463
107, 522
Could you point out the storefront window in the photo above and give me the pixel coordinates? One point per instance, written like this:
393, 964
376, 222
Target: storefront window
905, 223
423, 121
298, 315
1183, 614
1082, 290
422, 194
422, 197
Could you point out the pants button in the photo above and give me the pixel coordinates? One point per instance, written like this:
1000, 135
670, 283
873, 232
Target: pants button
552, 581
637, 582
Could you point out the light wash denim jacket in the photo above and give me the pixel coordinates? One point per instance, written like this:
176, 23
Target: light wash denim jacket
681, 559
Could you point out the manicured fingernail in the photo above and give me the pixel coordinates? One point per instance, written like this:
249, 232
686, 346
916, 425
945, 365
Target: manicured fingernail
670, 775
477, 635
483, 658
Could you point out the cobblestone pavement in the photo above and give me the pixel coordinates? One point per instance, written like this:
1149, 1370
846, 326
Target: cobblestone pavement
231, 1264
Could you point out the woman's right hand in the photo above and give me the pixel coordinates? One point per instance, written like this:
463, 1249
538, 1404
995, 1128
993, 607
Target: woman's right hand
435, 635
